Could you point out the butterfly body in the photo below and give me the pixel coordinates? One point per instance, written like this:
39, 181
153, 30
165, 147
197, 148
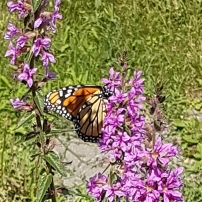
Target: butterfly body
85, 106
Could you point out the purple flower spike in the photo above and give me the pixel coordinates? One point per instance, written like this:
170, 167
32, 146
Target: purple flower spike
40, 44
11, 31
27, 75
142, 173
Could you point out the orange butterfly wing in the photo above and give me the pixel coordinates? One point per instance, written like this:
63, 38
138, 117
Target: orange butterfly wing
84, 105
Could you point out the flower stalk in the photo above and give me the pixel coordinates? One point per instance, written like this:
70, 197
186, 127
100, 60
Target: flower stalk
26, 46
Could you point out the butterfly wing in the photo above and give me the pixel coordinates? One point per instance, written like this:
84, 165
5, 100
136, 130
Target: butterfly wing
90, 118
68, 101
84, 105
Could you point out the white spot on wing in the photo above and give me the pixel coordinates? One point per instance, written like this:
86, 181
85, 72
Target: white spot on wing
69, 91
58, 101
61, 93
67, 95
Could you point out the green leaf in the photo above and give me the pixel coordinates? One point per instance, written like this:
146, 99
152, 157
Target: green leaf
55, 162
98, 3
189, 139
39, 101
5, 81
199, 149
28, 57
94, 33
199, 81
198, 106
26, 117
43, 185
36, 4
179, 123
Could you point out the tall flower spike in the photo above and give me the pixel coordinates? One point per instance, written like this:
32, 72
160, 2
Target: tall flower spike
142, 174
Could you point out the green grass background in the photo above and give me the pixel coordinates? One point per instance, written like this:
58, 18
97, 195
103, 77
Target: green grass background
162, 38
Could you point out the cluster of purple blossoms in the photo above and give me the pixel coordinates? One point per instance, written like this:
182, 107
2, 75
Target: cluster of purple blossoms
142, 171
32, 40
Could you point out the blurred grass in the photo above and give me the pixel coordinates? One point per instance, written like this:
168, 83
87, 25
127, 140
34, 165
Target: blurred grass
162, 38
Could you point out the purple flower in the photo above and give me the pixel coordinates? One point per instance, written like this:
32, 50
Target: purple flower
52, 22
40, 44
11, 31
18, 6
131, 156
114, 79
21, 41
95, 186
117, 119
17, 103
137, 83
118, 97
40, 20
146, 190
170, 185
50, 75
27, 75
54, 16
57, 4
20, 105
48, 20
113, 191
142, 174
121, 140
105, 143
160, 154
13, 52
46, 58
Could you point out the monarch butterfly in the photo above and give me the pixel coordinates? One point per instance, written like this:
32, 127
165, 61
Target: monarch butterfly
85, 106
